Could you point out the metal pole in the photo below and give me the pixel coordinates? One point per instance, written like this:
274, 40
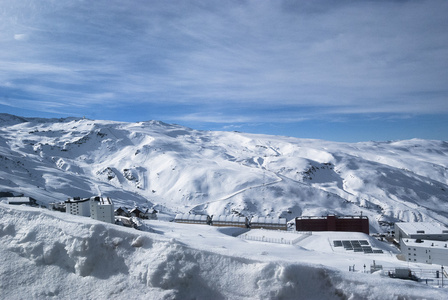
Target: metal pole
442, 276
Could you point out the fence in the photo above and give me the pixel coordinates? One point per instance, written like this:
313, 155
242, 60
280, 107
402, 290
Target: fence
434, 277
277, 240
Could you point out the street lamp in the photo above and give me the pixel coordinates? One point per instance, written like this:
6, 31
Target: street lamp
442, 276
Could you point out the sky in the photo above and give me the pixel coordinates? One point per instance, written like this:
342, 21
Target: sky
334, 70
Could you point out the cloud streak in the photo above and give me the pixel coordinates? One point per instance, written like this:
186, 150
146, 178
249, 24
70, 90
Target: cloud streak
320, 58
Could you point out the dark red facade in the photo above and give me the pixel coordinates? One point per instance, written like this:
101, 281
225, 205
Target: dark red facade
333, 223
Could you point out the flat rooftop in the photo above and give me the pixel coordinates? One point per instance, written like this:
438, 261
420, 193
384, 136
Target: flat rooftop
16, 199
77, 200
425, 243
422, 228
329, 216
105, 201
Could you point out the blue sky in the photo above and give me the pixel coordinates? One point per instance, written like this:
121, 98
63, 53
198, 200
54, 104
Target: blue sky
334, 70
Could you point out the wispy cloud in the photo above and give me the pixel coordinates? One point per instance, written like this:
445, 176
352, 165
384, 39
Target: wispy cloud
312, 59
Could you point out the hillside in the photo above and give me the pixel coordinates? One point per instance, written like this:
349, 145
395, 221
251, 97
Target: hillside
178, 169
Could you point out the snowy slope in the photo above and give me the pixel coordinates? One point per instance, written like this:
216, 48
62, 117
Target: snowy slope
180, 169
52, 255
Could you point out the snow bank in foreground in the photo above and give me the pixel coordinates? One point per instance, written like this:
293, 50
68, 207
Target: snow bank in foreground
45, 254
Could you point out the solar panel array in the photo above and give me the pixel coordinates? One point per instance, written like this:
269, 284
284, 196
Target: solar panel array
356, 246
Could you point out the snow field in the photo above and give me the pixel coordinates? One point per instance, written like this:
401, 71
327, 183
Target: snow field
46, 255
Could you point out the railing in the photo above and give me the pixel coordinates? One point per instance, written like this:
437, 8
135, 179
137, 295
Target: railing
281, 240
433, 277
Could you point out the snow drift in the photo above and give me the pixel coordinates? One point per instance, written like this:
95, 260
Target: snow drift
49, 255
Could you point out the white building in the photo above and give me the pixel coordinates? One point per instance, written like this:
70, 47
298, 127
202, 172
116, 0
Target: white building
98, 208
78, 206
102, 209
20, 201
421, 230
425, 251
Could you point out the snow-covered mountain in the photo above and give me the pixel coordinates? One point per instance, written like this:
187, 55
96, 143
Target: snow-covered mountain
46, 254
178, 169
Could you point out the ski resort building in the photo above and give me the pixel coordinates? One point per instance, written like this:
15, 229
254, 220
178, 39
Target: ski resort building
268, 223
137, 212
333, 223
78, 206
102, 209
421, 230
144, 213
122, 212
59, 206
230, 221
192, 219
425, 251
20, 201
98, 208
